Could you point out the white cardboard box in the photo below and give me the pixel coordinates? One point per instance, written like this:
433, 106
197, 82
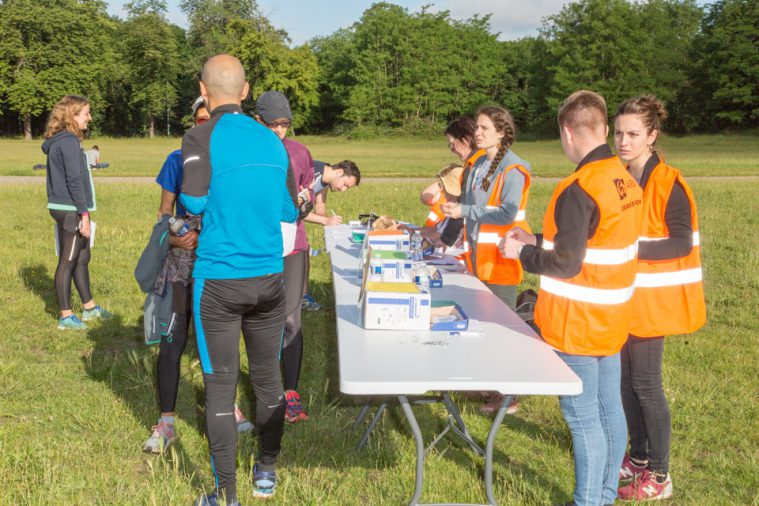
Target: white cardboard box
396, 306
388, 240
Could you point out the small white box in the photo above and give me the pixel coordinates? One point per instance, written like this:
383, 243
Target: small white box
395, 306
388, 240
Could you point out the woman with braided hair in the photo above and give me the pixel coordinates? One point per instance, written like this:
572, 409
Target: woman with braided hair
494, 201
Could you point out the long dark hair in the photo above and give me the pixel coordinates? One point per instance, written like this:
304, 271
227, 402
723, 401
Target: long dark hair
462, 128
503, 122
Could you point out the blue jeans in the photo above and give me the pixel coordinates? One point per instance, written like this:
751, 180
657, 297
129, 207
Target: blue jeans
599, 430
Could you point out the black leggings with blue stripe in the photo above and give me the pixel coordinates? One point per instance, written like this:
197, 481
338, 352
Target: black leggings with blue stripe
221, 309
73, 259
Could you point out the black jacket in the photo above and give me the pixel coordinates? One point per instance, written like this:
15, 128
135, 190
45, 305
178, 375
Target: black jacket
69, 186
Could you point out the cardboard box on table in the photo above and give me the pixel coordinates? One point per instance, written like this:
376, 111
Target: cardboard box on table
395, 306
388, 240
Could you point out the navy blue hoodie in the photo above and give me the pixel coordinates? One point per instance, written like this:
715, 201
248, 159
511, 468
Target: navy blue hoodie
69, 182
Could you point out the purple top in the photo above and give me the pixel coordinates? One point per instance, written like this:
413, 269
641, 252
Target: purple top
303, 170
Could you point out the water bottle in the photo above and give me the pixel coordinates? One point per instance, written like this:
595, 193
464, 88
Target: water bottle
416, 247
375, 267
178, 226
422, 276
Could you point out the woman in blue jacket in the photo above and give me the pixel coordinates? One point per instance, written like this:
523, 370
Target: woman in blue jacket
70, 198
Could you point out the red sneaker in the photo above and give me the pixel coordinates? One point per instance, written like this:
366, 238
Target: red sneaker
294, 411
629, 470
494, 401
646, 488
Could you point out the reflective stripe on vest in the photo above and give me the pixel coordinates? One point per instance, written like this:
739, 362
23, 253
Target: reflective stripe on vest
604, 256
644, 280
432, 216
585, 294
521, 215
696, 239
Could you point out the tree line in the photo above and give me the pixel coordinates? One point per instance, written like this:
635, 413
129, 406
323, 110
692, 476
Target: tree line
392, 70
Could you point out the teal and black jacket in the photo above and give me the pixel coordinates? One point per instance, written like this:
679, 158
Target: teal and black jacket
235, 173
69, 181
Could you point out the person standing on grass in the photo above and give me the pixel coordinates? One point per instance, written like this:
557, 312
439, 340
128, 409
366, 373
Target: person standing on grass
235, 175
336, 177
70, 198
494, 200
177, 271
273, 110
586, 259
668, 299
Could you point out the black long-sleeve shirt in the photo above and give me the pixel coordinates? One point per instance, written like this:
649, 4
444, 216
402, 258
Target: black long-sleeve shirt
577, 216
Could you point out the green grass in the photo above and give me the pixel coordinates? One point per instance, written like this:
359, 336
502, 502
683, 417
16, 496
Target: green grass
702, 155
75, 407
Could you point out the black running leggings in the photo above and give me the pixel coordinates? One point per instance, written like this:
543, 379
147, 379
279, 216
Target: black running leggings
296, 285
73, 259
171, 348
221, 309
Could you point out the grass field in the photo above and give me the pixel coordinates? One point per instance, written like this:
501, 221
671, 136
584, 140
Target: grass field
75, 407
702, 155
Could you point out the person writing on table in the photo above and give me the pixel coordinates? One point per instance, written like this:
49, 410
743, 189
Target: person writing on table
493, 201
586, 259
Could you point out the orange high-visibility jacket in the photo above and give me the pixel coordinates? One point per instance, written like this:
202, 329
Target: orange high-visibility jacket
436, 212
491, 266
669, 294
589, 313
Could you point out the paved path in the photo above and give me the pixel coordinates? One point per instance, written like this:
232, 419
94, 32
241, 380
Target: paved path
14, 180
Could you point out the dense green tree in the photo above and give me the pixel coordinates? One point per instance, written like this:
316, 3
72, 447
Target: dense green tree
272, 65
51, 48
725, 78
152, 55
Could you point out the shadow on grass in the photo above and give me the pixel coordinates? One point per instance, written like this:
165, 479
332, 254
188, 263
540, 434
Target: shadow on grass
120, 359
37, 279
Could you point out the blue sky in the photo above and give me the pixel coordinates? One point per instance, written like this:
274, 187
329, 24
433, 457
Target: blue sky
305, 19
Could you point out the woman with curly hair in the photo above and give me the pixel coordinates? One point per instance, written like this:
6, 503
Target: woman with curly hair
70, 198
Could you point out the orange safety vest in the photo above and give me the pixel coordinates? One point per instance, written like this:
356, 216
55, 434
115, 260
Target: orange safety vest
589, 313
491, 266
436, 215
669, 294
436, 212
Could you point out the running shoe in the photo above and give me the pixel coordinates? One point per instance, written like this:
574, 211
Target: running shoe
264, 483
493, 404
629, 470
309, 303
96, 312
162, 437
646, 487
294, 411
214, 500
71, 322
243, 425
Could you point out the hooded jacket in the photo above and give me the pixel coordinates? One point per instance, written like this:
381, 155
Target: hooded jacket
69, 182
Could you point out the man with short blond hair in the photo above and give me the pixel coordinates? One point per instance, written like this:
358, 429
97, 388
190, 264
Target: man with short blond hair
586, 259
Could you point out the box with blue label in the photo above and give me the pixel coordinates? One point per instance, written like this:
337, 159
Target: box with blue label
395, 306
447, 315
389, 266
388, 240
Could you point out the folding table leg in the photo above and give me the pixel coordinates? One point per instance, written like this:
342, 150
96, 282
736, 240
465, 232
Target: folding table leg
361, 415
419, 449
372, 424
460, 427
489, 449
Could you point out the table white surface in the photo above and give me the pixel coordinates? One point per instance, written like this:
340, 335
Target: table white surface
507, 357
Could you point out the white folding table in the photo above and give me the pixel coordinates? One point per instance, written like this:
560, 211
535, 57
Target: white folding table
505, 355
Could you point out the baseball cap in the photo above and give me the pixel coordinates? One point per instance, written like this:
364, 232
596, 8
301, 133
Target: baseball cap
272, 105
450, 178
198, 102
